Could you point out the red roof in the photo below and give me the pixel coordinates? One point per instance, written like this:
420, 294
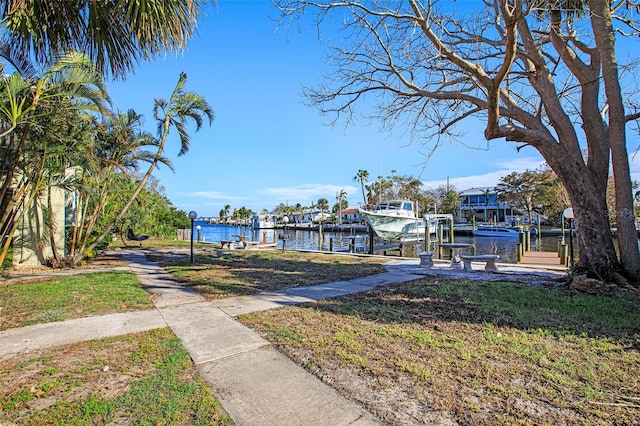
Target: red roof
347, 211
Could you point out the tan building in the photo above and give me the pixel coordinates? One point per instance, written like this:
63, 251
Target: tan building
31, 244
32, 240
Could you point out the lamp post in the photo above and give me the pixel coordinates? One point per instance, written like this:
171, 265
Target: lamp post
192, 216
568, 213
285, 220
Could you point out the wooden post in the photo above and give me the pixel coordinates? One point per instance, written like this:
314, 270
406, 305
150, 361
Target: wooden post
519, 252
451, 238
560, 242
331, 244
564, 254
427, 235
370, 240
352, 243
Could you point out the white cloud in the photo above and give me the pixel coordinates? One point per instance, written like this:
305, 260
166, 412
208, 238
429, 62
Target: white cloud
490, 178
215, 195
308, 193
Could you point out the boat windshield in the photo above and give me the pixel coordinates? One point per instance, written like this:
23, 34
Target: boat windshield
395, 205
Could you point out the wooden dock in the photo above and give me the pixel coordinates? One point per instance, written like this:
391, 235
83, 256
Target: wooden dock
549, 258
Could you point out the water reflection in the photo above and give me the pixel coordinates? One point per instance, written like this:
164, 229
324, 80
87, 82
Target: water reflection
506, 248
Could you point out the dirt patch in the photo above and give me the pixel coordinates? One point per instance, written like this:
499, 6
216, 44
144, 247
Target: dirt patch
415, 354
108, 260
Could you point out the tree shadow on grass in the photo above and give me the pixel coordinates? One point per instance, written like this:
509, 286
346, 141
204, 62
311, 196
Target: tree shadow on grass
240, 273
504, 304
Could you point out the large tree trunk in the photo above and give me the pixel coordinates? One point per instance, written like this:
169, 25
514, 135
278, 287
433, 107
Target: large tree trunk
625, 221
597, 258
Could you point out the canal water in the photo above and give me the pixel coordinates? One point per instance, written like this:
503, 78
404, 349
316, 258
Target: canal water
506, 248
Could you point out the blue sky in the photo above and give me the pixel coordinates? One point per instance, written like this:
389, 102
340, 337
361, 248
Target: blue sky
265, 146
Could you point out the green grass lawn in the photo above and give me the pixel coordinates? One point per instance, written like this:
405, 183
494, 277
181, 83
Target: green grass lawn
65, 297
144, 378
468, 352
217, 274
424, 352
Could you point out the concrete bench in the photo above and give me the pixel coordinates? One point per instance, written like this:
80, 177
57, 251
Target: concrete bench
426, 259
489, 259
229, 243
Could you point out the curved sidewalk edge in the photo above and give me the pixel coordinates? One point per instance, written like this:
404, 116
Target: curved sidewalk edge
27, 339
255, 383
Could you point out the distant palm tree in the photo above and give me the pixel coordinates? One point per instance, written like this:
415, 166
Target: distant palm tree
323, 204
362, 176
300, 211
181, 107
339, 197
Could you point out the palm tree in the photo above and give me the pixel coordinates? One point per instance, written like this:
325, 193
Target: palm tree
339, 197
106, 179
182, 107
323, 204
299, 209
227, 210
362, 176
116, 34
69, 83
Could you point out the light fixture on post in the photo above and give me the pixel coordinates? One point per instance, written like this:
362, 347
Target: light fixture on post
568, 213
192, 216
285, 220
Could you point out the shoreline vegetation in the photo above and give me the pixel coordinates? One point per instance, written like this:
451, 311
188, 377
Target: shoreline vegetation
433, 350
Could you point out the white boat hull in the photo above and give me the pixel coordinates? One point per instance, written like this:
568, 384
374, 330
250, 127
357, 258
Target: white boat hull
395, 228
263, 222
497, 232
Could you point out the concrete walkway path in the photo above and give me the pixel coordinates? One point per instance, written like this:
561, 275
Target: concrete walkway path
256, 384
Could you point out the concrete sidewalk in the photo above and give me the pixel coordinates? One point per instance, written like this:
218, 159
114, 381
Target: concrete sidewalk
256, 384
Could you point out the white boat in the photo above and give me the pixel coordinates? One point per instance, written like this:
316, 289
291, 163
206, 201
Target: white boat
397, 220
263, 221
320, 217
497, 231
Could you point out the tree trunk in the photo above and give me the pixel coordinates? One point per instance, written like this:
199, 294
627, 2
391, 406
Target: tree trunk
136, 191
596, 252
625, 221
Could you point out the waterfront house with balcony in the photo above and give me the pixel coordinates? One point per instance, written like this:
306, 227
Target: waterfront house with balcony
350, 216
484, 204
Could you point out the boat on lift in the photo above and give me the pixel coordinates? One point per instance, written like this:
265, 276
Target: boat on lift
497, 231
398, 220
263, 221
